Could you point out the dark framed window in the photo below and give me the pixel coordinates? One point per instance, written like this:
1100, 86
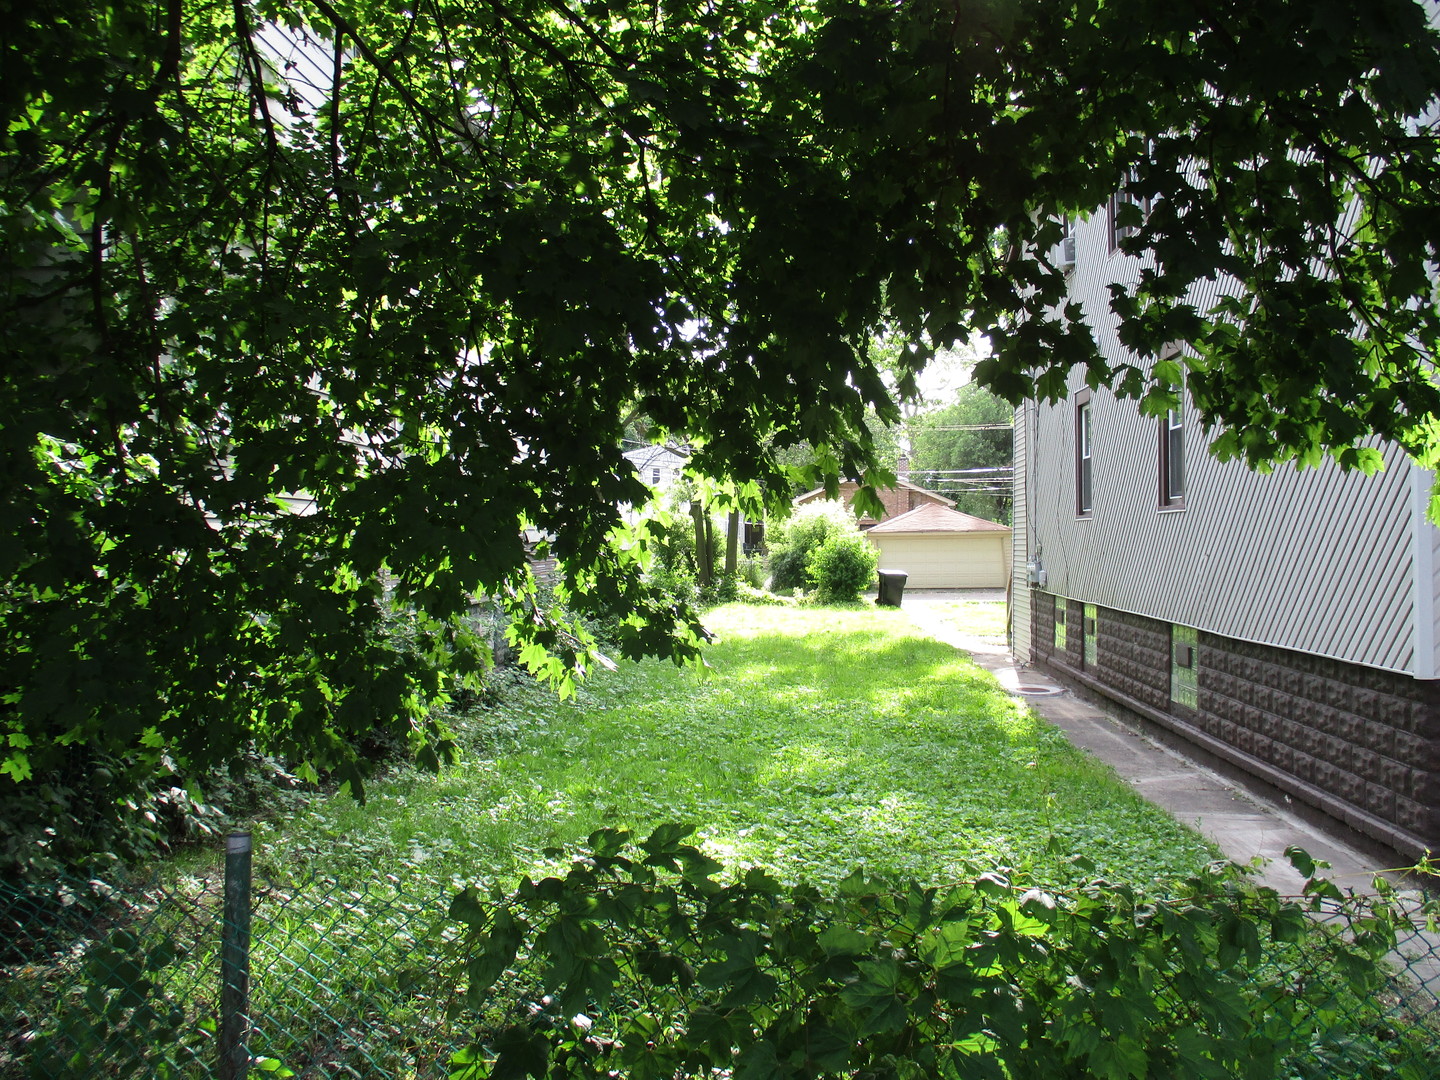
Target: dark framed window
1170, 444
1084, 455
1068, 251
1120, 199
655, 476
1172, 460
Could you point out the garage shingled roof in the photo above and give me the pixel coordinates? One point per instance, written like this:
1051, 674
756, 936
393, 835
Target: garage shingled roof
932, 518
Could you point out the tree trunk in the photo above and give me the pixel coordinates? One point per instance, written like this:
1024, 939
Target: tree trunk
704, 545
732, 543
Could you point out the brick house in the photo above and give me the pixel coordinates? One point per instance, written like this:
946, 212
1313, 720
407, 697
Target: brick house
897, 500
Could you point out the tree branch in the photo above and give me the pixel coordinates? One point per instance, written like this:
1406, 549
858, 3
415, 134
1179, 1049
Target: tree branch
387, 73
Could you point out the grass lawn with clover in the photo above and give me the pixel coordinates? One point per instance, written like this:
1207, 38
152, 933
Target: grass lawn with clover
820, 739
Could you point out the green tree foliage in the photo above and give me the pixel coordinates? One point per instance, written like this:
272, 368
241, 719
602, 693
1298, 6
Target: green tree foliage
807, 464
792, 540
1273, 143
945, 441
655, 964
418, 263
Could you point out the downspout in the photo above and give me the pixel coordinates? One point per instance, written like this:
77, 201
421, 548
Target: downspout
1422, 561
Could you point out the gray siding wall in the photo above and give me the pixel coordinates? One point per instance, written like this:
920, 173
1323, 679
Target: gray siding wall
1319, 561
1427, 600
1019, 517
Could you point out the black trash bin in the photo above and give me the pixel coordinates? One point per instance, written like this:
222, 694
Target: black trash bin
892, 587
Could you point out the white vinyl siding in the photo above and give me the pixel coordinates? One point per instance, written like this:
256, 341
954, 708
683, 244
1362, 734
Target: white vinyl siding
1320, 561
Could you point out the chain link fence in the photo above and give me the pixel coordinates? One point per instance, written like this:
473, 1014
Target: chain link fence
343, 981
99, 981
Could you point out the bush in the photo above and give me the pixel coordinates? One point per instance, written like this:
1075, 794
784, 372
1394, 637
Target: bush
841, 568
676, 570
643, 961
724, 589
676, 548
89, 812
748, 594
677, 567
676, 584
85, 811
752, 571
792, 541
787, 569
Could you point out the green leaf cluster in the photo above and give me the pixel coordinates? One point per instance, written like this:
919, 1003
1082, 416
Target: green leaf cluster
122, 1016
642, 963
1287, 160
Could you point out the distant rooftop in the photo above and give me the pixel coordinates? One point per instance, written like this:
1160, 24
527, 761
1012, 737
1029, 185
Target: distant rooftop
934, 518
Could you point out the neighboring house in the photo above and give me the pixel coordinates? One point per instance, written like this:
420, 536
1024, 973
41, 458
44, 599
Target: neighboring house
658, 466
662, 467
543, 566
1284, 624
900, 499
940, 548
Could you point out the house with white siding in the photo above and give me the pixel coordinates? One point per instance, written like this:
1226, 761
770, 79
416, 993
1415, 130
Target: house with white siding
1282, 624
656, 465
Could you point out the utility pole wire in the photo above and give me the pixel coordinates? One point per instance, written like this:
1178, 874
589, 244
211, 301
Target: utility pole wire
971, 427
997, 470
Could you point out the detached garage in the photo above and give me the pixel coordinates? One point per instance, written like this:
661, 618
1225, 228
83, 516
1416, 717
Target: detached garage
940, 548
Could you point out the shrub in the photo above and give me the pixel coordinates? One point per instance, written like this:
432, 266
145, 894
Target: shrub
787, 569
676, 547
748, 594
722, 589
792, 541
677, 584
841, 568
752, 571
677, 568
86, 811
643, 961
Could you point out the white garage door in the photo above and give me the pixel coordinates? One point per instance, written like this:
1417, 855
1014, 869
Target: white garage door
946, 561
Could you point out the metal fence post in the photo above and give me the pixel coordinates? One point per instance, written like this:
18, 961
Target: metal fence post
235, 960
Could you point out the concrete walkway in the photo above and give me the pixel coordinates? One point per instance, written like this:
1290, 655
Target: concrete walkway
1243, 826
1248, 829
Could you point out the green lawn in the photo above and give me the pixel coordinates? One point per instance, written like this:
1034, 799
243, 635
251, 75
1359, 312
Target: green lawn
821, 739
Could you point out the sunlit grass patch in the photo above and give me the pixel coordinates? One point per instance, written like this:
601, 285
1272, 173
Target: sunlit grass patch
821, 739
984, 619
